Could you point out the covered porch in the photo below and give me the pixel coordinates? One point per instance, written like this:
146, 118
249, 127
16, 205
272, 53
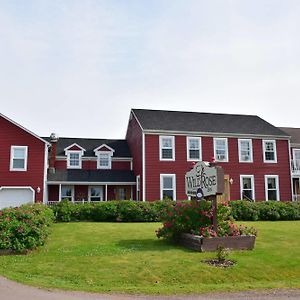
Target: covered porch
84, 186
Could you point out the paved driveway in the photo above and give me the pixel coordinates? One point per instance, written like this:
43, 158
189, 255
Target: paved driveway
10, 290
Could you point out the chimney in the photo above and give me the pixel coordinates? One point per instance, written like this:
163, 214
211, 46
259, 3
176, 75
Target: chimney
53, 140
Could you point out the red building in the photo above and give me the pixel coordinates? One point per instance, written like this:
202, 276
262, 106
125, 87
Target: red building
261, 162
165, 144
23, 165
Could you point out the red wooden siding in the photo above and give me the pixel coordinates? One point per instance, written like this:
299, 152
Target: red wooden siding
134, 139
155, 167
81, 192
74, 148
11, 134
53, 193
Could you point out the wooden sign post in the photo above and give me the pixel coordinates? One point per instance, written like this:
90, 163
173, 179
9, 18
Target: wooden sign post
205, 180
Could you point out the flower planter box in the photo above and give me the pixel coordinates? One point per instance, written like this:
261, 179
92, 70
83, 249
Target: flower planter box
199, 243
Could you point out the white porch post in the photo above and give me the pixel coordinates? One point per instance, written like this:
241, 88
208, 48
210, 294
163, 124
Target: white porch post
106, 192
131, 193
59, 192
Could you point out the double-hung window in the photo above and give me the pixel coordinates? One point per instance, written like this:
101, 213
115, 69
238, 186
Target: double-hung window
245, 150
193, 148
168, 186
269, 149
167, 147
247, 187
221, 149
104, 160
96, 193
272, 187
18, 158
74, 159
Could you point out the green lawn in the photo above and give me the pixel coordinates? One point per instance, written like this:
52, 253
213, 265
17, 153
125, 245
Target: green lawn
120, 257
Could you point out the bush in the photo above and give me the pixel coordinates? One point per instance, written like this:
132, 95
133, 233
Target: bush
24, 228
111, 211
265, 211
196, 218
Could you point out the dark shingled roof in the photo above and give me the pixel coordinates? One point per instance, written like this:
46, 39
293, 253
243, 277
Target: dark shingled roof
293, 132
92, 176
178, 121
120, 146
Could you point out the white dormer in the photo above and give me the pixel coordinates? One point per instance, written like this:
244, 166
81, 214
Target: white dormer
104, 154
74, 155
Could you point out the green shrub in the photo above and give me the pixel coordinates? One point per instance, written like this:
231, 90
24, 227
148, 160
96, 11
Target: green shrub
265, 211
110, 211
196, 218
24, 228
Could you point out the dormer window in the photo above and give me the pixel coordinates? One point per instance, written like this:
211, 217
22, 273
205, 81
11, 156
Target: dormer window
74, 155
104, 155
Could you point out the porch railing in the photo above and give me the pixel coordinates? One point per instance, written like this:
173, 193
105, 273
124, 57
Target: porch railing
296, 166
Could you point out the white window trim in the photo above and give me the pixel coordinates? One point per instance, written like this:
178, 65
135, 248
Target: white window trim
188, 138
226, 148
173, 182
138, 187
11, 168
277, 185
294, 152
264, 151
90, 193
68, 152
110, 154
252, 185
240, 150
72, 192
172, 137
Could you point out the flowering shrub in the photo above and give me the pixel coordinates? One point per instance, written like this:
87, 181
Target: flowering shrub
196, 218
24, 228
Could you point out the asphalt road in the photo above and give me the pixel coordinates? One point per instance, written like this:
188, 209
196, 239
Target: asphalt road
10, 290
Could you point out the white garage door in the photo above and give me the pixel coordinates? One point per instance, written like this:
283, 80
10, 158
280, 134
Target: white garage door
11, 196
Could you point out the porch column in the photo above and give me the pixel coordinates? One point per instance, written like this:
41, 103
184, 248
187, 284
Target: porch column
106, 192
59, 192
131, 193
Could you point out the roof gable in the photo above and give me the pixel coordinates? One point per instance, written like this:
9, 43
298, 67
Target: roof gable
209, 123
74, 147
103, 148
24, 129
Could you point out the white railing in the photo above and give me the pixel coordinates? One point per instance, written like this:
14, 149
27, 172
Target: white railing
296, 166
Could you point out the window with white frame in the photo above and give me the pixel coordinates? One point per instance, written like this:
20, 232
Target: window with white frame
168, 186
67, 192
272, 187
221, 149
18, 158
269, 149
138, 187
104, 160
96, 193
296, 159
74, 159
245, 150
167, 147
193, 148
247, 187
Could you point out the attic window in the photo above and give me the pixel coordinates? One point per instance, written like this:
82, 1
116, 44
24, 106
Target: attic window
104, 154
74, 159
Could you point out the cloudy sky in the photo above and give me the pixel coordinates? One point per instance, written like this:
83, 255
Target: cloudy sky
77, 67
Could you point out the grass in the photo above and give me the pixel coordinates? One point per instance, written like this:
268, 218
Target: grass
127, 257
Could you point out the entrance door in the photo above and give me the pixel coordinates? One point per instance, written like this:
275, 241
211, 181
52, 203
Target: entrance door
226, 195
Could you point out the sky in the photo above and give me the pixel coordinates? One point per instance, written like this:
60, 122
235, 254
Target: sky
77, 67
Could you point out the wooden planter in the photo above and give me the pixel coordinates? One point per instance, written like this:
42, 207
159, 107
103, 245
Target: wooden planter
202, 244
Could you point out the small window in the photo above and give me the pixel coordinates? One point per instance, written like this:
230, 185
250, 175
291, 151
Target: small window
138, 188
74, 159
96, 193
247, 187
269, 148
167, 149
193, 148
272, 187
104, 160
168, 186
67, 193
18, 158
221, 149
245, 150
